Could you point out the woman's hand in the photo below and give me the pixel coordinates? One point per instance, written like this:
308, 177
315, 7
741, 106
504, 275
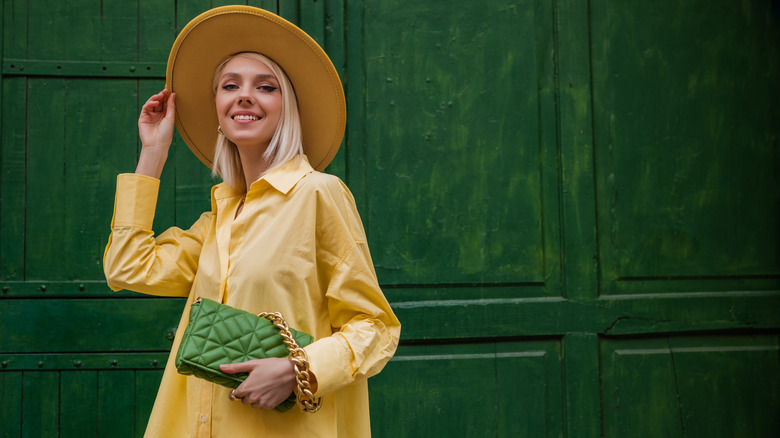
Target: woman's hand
269, 383
155, 127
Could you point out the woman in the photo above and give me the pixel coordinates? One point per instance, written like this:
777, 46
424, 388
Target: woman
280, 235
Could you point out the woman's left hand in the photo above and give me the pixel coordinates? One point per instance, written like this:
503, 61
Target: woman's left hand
269, 383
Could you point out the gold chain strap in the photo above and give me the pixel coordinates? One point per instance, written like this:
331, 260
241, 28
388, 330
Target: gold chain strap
304, 398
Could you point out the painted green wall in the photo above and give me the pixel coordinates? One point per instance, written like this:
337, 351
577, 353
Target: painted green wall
572, 206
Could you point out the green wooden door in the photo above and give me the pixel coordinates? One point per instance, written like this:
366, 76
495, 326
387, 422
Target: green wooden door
572, 206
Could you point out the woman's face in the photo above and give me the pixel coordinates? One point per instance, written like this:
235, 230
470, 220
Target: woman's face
249, 102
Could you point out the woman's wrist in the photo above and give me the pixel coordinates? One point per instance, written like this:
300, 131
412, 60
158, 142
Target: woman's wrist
151, 162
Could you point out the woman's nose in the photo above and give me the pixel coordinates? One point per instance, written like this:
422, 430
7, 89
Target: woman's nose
243, 98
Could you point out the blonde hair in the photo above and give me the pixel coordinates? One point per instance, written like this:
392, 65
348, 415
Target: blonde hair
286, 143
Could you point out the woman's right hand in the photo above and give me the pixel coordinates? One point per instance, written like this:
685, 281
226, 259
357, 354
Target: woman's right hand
155, 127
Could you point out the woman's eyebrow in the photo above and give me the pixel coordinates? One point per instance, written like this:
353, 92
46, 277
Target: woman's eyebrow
261, 76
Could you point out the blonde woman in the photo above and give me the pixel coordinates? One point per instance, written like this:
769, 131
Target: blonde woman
260, 103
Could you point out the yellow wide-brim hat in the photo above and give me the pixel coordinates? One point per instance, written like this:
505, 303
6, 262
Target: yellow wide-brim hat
214, 35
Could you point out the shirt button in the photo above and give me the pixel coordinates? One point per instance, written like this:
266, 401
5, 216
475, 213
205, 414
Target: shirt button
203, 419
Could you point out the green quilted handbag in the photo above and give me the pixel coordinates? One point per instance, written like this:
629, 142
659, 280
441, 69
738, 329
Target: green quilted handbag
220, 334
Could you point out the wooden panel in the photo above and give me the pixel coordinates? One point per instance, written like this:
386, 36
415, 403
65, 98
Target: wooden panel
529, 382
12, 180
14, 28
334, 43
575, 143
78, 404
40, 403
116, 400
455, 156
187, 10
110, 400
10, 404
73, 152
146, 386
707, 386
469, 390
686, 130
156, 30
581, 366
88, 325
106, 30
119, 33
45, 178
268, 5
109, 38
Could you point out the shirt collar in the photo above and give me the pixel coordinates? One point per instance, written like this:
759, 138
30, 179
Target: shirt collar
284, 177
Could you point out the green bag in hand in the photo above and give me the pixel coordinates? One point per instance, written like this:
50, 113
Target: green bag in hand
220, 334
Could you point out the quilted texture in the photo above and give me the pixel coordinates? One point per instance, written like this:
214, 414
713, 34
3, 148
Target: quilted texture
218, 334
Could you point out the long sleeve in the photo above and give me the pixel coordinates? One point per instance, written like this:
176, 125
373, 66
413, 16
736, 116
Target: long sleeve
366, 331
134, 259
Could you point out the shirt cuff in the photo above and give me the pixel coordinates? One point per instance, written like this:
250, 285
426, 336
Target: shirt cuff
329, 361
136, 200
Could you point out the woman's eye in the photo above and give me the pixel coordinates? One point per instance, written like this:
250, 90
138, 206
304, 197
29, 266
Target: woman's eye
230, 87
267, 88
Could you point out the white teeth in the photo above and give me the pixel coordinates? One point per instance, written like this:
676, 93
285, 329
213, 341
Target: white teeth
245, 117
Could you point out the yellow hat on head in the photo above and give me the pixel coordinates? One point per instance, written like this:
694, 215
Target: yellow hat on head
221, 32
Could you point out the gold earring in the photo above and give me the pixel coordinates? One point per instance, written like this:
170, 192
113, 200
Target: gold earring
219, 129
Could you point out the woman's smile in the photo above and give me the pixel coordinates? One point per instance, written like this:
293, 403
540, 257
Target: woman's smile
245, 117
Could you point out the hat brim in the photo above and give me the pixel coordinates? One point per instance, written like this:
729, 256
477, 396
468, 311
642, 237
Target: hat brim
218, 33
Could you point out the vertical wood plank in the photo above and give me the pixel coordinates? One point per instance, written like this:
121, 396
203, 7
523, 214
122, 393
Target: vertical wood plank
218, 3
187, 10
13, 163
116, 403
576, 144
335, 47
46, 189
529, 389
92, 136
40, 404
156, 30
119, 30
48, 22
10, 404
549, 147
87, 43
268, 5
312, 19
78, 404
291, 11
355, 137
146, 384
582, 408
14, 31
